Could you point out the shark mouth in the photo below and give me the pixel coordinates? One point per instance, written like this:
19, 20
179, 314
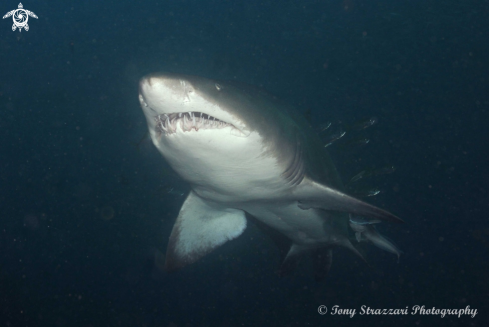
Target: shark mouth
167, 123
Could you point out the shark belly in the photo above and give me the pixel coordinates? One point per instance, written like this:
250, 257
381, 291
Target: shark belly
219, 172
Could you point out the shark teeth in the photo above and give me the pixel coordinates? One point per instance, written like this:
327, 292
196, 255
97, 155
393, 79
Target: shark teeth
167, 123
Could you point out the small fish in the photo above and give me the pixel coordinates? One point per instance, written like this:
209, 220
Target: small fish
168, 189
361, 125
384, 171
372, 172
335, 137
367, 193
355, 143
173, 191
358, 176
365, 231
324, 127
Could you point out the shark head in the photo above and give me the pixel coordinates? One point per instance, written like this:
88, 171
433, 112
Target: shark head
212, 133
188, 104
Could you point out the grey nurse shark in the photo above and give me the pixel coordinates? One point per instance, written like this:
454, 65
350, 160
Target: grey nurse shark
247, 156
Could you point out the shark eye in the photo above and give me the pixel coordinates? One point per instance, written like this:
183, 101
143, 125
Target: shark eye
218, 87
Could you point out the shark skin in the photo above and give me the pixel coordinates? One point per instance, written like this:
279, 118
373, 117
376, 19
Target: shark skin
247, 156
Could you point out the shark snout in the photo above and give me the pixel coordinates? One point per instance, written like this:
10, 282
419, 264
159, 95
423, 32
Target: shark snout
152, 94
148, 88
164, 91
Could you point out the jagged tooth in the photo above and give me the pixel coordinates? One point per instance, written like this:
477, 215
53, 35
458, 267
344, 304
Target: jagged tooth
193, 122
170, 125
185, 123
179, 115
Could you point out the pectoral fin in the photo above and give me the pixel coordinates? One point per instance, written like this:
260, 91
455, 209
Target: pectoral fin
314, 195
200, 228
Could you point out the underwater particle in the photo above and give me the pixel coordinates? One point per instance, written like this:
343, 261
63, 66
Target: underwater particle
107, 213
31, 222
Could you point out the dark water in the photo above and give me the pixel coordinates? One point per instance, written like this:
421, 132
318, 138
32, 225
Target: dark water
84, 201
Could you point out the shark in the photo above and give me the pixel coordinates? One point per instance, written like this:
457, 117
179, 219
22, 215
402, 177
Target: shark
249, 157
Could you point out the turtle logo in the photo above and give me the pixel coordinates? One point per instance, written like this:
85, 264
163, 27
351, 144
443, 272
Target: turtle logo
20, 17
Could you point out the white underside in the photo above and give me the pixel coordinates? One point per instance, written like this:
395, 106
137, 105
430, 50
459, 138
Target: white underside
221, 166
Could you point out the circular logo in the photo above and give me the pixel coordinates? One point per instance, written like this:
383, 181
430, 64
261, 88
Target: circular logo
20, 17
322, 309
